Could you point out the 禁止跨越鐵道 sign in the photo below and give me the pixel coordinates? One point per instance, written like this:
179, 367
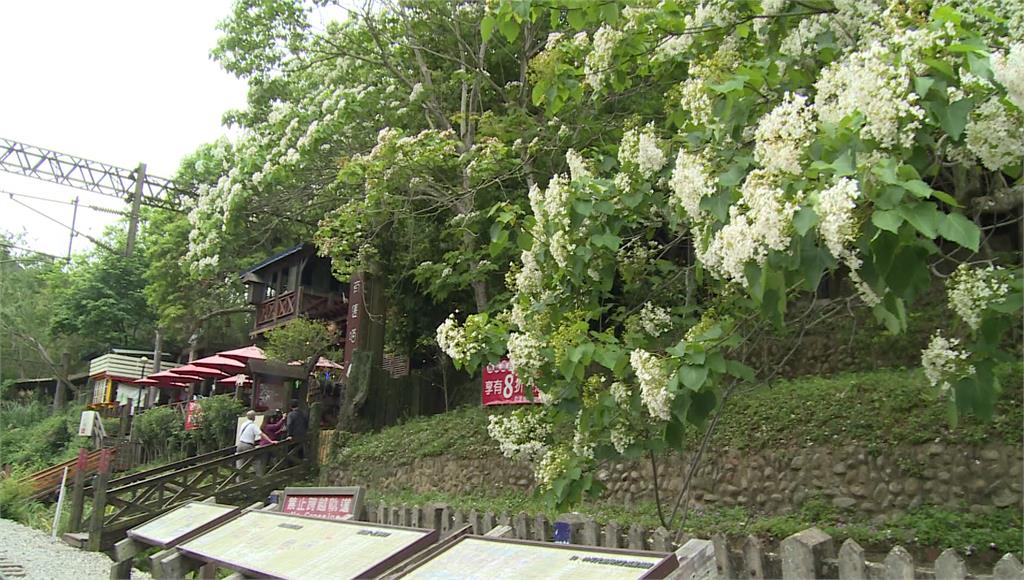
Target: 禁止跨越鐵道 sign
503, 387
329, 503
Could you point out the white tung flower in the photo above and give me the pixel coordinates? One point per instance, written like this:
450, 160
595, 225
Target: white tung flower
454, 341
995, 134
866, 82
655, 320
943, 363
783, 133
529, 280
653, 378
971, 291
691, 182
520, 436
621, 393
642, 148
622, 437
1009, 72
599, 61
835, 216
525, 356
577, 165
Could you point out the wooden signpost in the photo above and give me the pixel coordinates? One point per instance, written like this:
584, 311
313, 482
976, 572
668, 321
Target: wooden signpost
329, 503
278, 545
489, 558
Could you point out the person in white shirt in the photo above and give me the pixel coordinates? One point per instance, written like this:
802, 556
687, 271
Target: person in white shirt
248, 438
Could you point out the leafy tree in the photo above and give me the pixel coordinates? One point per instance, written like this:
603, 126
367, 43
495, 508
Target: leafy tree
783, 141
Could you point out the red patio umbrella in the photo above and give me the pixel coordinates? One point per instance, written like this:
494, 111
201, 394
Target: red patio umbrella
191, 370
323, 363
224, 364
165, 381
245, 353
246, 380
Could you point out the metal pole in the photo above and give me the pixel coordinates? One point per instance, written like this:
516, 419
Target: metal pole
60, 503
133, 223
74, 218
158, 356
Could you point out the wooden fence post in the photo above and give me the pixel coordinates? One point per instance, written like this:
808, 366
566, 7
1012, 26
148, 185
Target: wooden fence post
78, 492
99, 502
1008, 567
611, 535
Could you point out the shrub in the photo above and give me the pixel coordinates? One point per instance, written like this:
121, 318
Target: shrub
219, 419
160, 429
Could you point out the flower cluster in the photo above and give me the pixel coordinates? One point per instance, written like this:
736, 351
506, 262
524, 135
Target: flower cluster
552, 465
521, 435
866, 82
691, 182
622, 436
783, 133
995, 134
971, 290
525, 356
642, 149
599, 62
694, 99
760, 221
1009, 71
653, 377
943, 362
838, 228
529, 280
455, 341
582, 444
655, 320
577, 165
621, 393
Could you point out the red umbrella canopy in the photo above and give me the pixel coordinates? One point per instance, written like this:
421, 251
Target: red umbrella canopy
221, 363
191, 370
166, 379
234, 380
245, 353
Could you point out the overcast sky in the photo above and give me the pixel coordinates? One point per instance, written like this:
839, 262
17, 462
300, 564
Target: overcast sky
116, 81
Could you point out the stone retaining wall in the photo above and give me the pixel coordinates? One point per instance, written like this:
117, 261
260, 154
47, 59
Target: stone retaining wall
850, 477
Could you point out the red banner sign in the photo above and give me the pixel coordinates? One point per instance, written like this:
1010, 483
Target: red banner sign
192, 413
502, 386
326, 507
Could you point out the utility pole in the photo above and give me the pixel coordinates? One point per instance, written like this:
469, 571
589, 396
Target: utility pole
133, 223
58, 393
74, 218
158, 355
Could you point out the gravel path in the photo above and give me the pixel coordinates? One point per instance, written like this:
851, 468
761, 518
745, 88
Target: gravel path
43, 558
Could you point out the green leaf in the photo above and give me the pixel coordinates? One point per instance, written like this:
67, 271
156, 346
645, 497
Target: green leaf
701, 405
487, 28
608, 357
583, 207
608, 240
924, 216
957, 228
918, 188
922, 84
887, 219
804, 220
740, 370
509, 29
674, 435
941, 67
954, 118
693, 376
733, 84
575, 18
945, 198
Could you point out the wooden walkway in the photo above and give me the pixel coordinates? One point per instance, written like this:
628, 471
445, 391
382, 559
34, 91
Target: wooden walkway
123, 503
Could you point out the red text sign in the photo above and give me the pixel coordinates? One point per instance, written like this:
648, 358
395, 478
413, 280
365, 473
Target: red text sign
325, 507
502, 386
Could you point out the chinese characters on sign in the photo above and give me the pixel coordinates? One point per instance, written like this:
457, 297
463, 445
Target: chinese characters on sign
325, 507
352, 338
502, 386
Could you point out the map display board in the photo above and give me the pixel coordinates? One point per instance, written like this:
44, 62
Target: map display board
277, 545
182, 523
329, 503
474, 557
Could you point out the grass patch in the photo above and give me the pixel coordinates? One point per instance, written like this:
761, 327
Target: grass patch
923, 528
879, 409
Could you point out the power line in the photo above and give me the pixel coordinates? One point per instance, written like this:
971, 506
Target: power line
24, 249
98, 208
65, 226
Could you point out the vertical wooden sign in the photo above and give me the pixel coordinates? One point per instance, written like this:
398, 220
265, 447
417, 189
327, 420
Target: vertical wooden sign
356, 313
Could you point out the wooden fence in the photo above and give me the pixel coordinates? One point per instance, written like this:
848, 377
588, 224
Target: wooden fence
120, 504
807, 554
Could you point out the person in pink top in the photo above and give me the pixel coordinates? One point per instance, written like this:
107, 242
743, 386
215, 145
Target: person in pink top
273, 429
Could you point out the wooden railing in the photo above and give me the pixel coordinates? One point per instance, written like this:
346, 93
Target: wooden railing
123, 503
47, 480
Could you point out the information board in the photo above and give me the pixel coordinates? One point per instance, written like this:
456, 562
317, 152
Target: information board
181, 523
277, 545
329, 503
474, 557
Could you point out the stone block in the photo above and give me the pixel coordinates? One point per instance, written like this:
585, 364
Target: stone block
844, 502
950, 566
696, 561
753, 559
899, 564
610, 537
851, 561
722, 559
1008, 567
803, 554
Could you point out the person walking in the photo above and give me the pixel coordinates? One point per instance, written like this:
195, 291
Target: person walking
248, 437
297, 426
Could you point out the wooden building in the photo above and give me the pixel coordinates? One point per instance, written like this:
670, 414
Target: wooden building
294, 283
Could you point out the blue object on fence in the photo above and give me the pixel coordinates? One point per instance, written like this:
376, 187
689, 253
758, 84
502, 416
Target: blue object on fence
562, 532
273, 498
